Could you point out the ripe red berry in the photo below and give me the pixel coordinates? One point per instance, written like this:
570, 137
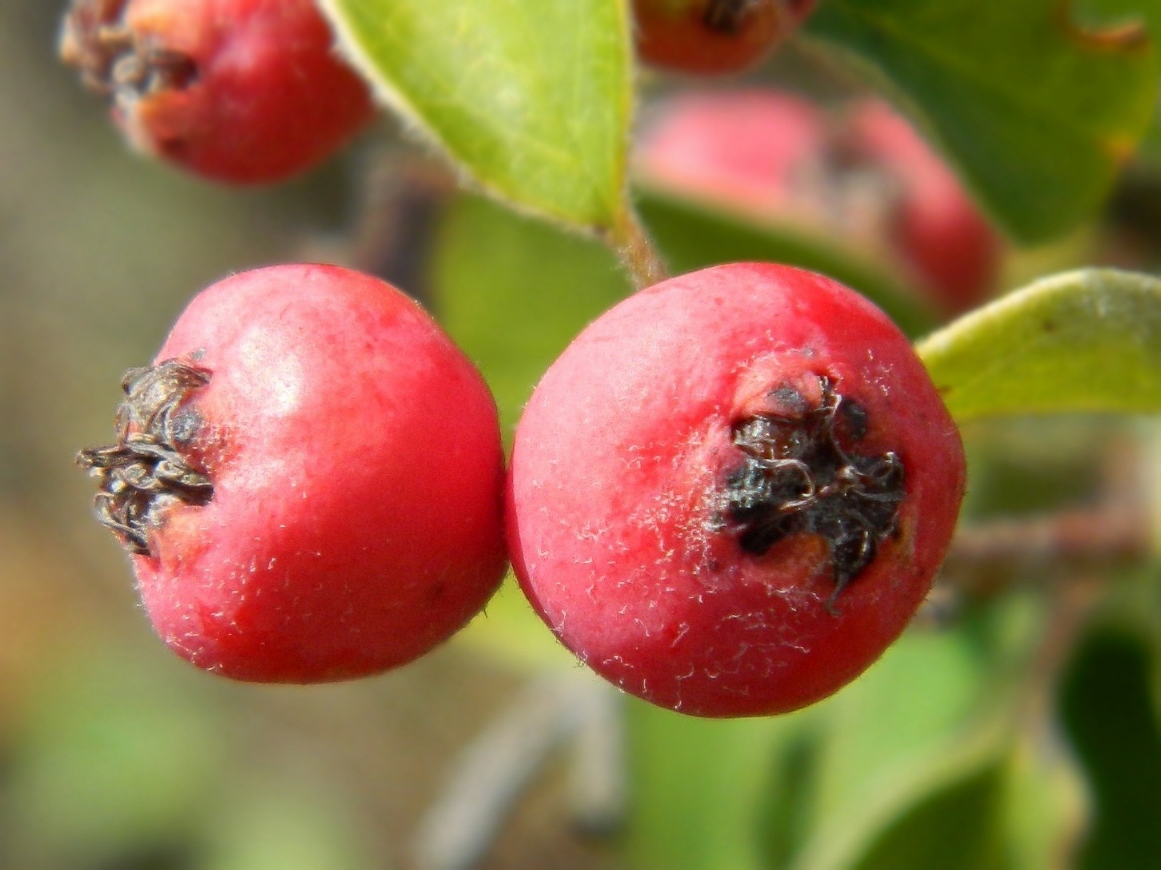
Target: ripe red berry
241, 91
713, 36
309, 479
732, 491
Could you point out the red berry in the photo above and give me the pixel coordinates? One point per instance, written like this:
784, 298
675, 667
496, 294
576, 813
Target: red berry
757, 151
935, 225
862, 176
309, 479
732, 491
241, 91
713, 36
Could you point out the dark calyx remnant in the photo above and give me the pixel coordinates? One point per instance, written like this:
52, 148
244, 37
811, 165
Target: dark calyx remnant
145, 472
112, 60
803, 474
727, 16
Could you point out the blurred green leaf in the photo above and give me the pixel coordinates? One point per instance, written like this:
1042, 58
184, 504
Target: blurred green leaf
514, 292
532, 100
692, 236
1084, 341
956, 828
1038, 113
700, 786
1110, 715
916, 730
1046, 802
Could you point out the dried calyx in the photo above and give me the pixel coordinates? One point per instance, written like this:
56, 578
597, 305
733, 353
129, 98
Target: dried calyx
727, 16
802, 474
112, 59
148, 470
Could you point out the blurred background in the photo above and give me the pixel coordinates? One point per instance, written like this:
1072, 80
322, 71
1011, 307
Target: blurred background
988, 736
113, 753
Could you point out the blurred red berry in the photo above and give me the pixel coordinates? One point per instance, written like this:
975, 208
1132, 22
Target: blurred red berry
934, 223
240, 91
732, 491
309, 479
860, 178
713, 36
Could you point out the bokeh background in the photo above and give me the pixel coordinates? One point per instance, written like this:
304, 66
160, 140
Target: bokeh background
114, 755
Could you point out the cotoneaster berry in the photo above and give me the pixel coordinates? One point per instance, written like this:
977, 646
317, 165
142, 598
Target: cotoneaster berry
934, 223
309, 479
758, 151
732, 491
241, 91
860, 177
713, 36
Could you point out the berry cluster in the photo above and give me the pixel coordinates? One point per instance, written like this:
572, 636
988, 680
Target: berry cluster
728, 495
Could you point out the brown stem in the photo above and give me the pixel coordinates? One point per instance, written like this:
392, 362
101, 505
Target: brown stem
638, 254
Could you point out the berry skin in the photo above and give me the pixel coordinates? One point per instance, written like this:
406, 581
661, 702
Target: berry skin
709, 37
732, 491
239, 91
309, 479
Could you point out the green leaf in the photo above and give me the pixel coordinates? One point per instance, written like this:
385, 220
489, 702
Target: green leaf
924, 720
698, 786
514, 292
959, 827
1038, 113
1046, 801
1080, 342
1111, 718
532, 100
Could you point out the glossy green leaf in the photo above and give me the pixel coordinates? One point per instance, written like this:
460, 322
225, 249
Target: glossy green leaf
1083, 341
531, 100
1038, 112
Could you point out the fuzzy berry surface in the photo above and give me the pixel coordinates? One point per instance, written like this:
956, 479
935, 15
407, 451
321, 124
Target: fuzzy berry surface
309, 479
732, 491
713, 37
238, 91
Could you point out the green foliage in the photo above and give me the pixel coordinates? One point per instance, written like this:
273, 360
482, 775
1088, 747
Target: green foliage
531, 100
1109, 706
920, 763
1085, 341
